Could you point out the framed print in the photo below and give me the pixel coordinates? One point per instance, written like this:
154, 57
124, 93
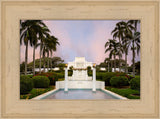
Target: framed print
68, 59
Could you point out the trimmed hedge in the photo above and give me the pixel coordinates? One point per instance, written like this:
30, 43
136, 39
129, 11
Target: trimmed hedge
107, 77
60, 75
41, 82
120, 74
53, 76
135, 83
130, 77
118, 81
30, 76
26, 84
100, 75
53, 79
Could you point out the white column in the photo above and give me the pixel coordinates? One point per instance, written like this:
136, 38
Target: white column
73, 75
94, 79
66, 79
86, 74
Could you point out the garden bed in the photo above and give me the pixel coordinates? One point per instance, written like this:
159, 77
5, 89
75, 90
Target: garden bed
125, 91
35, 92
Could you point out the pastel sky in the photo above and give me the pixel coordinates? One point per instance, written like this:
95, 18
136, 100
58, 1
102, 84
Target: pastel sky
79, 38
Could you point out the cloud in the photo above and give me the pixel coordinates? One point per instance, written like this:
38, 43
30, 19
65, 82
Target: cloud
99, 38
58, 30
79, 38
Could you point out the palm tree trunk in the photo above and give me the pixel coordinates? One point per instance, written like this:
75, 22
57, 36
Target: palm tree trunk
34, 59
40, 59
44, 63
47, 61
126, 71
119, 63
26, 58
120, 56
51, 64
108, 66
133, 61
111, 65
114, 63
51, 61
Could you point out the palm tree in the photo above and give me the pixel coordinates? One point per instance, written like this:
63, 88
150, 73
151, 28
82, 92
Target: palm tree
49, 45
135, 46
35, 45
119, 53
37, 30
49, 49
45, 49
30, 30
107, 60
27, 36
125, 47
53, 47
135, 23
42, 36
112, 46
135, 39
127, 26
118, 33
134, 42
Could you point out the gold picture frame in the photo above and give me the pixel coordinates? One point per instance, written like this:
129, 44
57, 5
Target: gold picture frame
12, 11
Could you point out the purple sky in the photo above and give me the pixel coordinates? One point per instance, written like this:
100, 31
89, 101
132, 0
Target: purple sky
79, 38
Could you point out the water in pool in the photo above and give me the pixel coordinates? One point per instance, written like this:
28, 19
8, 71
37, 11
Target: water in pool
79, 94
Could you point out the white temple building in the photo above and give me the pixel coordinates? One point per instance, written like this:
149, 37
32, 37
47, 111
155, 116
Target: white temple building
80, 78
80, 69
118, 70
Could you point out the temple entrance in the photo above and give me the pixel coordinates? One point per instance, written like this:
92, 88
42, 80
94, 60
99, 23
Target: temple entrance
80, 78
80, 74
79, 66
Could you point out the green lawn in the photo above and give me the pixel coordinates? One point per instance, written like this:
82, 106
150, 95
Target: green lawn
137, 76
35, 92
126, 92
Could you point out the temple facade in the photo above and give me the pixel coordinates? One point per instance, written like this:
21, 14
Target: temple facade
79, 67
80, 78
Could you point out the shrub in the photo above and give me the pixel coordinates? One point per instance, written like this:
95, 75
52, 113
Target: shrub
89, 73
45, 74
59, 71
130, 77
61, 79
30, 76
53, 76
26, 84
53, 79
98, 75
107, 77
120, 74
41, 82
70, 73
60, 75
42, 74
118, 81
135, 83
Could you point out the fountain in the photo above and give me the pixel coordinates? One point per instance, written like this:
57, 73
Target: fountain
80, 78
80, 85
